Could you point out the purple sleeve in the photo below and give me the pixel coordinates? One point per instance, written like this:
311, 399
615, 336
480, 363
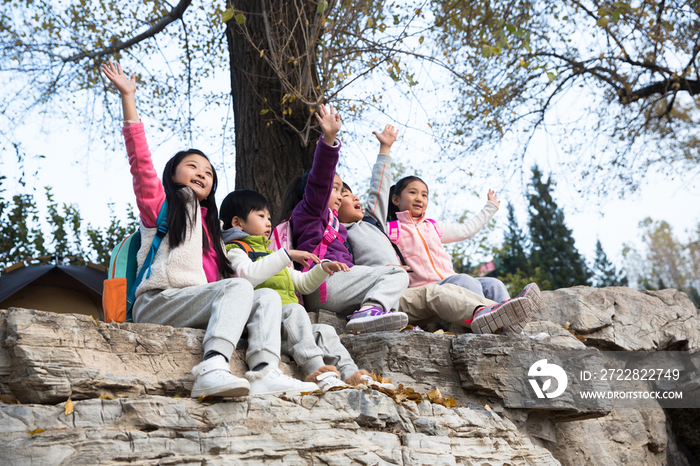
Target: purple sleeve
320, 182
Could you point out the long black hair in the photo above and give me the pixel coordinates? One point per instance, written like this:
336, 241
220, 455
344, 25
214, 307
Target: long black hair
397, 189
292, 196
178, 215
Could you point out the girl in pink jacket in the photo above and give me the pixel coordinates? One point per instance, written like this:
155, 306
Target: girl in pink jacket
421, 240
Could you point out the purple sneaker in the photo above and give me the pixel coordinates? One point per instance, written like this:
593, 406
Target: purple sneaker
375, 319
506, 314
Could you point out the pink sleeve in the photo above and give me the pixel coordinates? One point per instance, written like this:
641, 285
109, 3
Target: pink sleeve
147, 186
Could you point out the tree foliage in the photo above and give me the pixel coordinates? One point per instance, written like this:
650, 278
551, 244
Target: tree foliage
604, 271
24, 237
628, 70
665, 261
552, 245
629, 67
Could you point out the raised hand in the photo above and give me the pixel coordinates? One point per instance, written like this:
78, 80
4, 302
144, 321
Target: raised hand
330, 123
493, 197
386, 138
124, 84
302, 257
332, 267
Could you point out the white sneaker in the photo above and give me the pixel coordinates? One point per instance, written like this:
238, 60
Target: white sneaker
274, 381
329, 380
368, 380
214, 378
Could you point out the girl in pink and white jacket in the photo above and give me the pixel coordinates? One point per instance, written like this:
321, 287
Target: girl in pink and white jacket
421, 239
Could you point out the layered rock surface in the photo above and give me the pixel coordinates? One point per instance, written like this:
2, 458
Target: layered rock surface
45, 359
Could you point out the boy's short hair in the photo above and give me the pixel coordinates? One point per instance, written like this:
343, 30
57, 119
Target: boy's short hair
346, 187
240, 203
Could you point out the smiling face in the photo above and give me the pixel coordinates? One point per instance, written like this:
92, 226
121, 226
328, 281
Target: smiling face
334, 201
257, 223
195, 171
413, 198
350, 208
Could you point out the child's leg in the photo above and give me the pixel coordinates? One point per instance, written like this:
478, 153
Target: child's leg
334, 353
264, 338
465, 281
298, 338
494, 289
430, 303
222, 308
361, 286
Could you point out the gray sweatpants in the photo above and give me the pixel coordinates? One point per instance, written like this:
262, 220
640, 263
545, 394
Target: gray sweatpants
372, 286
488, 287
313, 346
224, 309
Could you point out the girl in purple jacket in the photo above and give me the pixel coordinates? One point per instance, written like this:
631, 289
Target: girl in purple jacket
368, 295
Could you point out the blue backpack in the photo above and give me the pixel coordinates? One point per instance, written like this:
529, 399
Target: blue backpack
119, 291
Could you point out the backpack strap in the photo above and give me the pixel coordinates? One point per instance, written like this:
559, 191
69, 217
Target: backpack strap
436, 226
161, 231
252, 255
373, 221
330, 234
393, 232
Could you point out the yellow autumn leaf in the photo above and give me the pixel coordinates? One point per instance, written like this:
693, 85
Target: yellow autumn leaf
487, 407
105, 396
69, 407
36, 431
7, 400
227, 15
262, 52
434, 394
439, 332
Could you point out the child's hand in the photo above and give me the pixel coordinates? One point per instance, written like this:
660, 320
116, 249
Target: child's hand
405, 267
124, 84
331, 267
386, 138
302, 257
330, 123
492, 197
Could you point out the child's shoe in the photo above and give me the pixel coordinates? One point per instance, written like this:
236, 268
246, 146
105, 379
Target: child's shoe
214, 378
374, 319
533, 293
326, 377
362, 377
329, 380
369, 381
271, 380
508, 313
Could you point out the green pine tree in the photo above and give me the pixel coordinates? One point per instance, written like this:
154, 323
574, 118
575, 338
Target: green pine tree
553, 249
605, 272
512, 256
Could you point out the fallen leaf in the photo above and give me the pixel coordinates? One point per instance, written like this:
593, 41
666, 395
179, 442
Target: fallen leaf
7, 400
105, 396
69, 407
439, 332
406, 328
566, 325
447, 402
435, 394
487, 407
36, 431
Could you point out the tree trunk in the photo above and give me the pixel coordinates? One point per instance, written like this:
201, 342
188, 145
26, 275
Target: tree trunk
269, 154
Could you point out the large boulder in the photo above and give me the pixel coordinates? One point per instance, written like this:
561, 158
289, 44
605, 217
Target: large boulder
619, 318
344, 427
48, 358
